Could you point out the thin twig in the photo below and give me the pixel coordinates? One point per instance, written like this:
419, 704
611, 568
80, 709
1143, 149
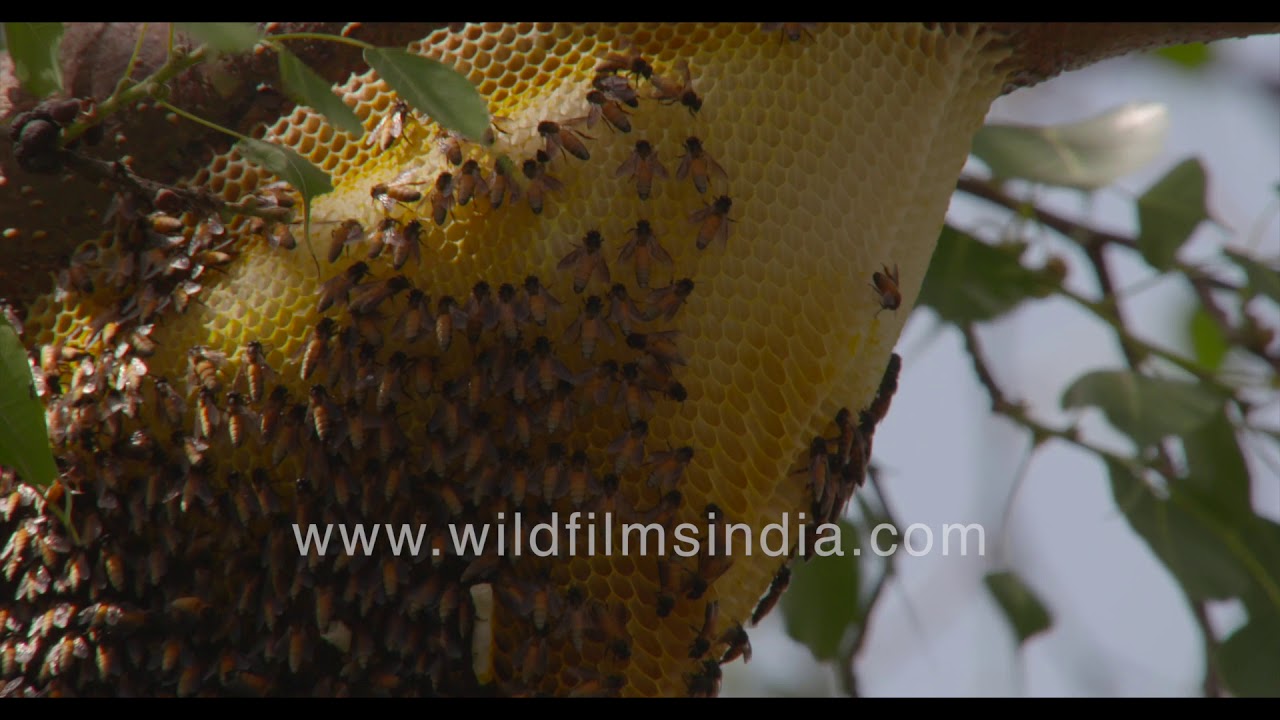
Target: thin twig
1094, 243
1212, 683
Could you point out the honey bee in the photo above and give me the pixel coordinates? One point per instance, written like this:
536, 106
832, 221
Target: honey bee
255, 370
622, 309
390, 382
444, 322
170, 403
643, 166
425, 370
792, 30
390, 127
388, 194
665, 302
79, 273
442, 199
348, 232
540, 183
702, 643
886, 286
630, 62
611, 625
416, 318
575, 618
711, 565
555, 473
660, 348
547, 367
387, 234
668, 467
714, 219
643, 249
451, 146
511, 311
208, 418
203, 365
239, 418
533, 659
605, 107
517, 480
280, 236
564, 139
848, 441
634, 392
587, 261
698, 163
581, 479
479, 314
668, 91
818, 473
589, 327
879, 407
617, 89
776, 588
272, 411
321, 413
628, 449
502, 183
705, 683
338, 288
317, 349
470, 183
598, 384
368, 297
560, 409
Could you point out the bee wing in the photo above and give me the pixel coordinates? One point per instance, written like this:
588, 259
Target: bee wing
569, 260
659, 253
713, 167
601, 269
628, 166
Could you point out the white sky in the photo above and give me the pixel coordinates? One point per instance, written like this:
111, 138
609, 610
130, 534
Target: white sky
1121, 627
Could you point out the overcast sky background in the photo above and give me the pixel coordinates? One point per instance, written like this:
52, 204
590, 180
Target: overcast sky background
1120, 627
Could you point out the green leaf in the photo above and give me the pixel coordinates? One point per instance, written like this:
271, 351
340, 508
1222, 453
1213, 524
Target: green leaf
223, 37
305, 87
970, 281
287, 165
1250, 658
434, 89
1204, 552
34, 49
1207, 339
822, 601
1170, 211
1146, 409
1086, 155
1025, 612
24, 437
1263, 280
1190, 56
1216, 469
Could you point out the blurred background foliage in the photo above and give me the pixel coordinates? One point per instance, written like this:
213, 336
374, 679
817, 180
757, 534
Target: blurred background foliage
1180, 406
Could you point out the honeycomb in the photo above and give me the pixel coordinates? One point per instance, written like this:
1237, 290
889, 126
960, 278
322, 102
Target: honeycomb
653, 327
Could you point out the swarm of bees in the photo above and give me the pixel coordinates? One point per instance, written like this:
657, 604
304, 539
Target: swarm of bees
405, 404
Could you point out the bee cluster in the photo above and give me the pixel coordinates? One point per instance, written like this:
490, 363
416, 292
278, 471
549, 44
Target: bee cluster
406, 406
